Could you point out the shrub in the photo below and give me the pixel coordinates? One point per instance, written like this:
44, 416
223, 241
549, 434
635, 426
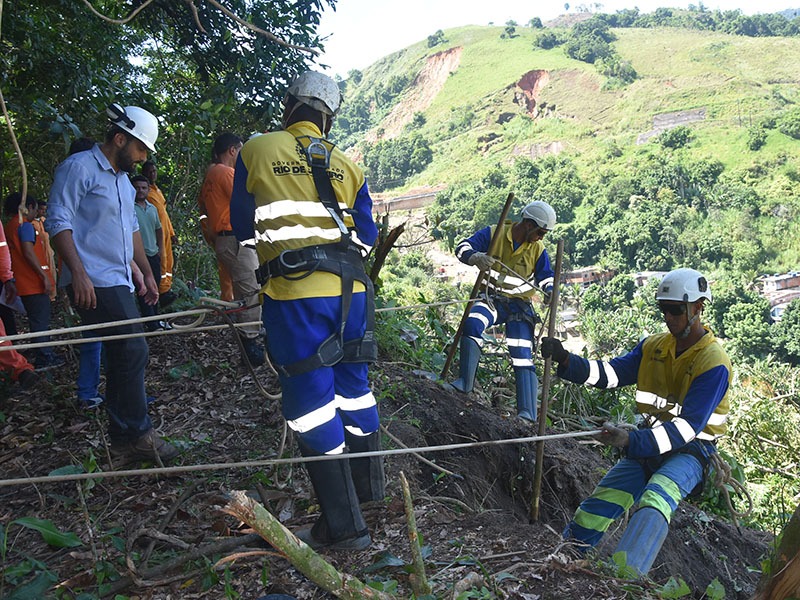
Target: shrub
677, 137
789, 124
756, 138
546, 40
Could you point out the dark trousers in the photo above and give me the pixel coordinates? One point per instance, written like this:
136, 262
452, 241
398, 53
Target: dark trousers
8, 318
126, 360
38, 308
145, 309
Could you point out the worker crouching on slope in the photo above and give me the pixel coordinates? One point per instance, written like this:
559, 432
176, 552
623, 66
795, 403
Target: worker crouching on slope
682, 380
307, 208
508, 292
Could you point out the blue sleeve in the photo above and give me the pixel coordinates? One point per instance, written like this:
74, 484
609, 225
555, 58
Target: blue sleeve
704, 395
69, 186
544, 275
618, 372
26, 233
361, 212
243, 206
478, 242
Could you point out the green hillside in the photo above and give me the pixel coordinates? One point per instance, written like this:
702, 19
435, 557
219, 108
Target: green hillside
460, 102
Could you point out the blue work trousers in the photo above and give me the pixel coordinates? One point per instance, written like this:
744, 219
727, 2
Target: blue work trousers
320, 404
631, 481
517, 314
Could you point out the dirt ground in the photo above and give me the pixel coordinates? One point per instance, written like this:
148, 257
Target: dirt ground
474, 524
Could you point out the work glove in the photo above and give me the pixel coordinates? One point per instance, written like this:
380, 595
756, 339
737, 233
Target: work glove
481, 260
552, 348
611, 435
548, 293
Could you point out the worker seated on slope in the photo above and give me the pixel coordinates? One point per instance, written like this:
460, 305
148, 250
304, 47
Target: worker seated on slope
519, 255
682, 380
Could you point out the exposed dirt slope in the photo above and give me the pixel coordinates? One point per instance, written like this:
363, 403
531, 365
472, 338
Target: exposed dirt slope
476, 522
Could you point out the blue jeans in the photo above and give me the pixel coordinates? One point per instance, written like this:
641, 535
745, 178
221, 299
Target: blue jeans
126, 360
89, 368
38, 308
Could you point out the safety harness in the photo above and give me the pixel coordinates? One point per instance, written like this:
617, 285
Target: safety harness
343, 258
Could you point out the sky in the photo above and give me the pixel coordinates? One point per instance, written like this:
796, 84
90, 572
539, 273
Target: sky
363, 31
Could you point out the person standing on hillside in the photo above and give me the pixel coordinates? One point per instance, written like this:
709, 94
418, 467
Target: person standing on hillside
240, 261
152, 239
31, 265
156, 197
307, 209
93, 227
11, 361
518, 266
682, 379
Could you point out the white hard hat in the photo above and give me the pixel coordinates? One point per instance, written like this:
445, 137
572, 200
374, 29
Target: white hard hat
318, 91
542, 213
683, 285
137, 121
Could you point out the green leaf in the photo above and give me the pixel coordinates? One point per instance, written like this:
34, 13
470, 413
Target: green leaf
67, 470
674, 589
715, 590
50, 533
37, 588
385, 559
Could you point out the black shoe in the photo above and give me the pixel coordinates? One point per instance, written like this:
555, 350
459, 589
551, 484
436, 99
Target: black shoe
167, 298
253, 351
150, 446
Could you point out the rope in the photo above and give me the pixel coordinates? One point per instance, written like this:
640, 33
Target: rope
723, 479
283, 461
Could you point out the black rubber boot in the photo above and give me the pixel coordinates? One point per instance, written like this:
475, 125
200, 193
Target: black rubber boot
341, 525
368, 475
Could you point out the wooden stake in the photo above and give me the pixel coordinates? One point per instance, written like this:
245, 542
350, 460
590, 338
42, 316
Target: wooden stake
419, 582
548, 365
477, 287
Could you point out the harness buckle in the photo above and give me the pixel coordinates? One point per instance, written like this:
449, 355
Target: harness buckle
317, 154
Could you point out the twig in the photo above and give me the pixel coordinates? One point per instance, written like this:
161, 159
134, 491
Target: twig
419, 457
419, 581
168, 517
130, 17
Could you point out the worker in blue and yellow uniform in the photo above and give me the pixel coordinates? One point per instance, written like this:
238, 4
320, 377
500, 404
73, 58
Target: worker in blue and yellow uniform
682, 380
516, 268
307, 209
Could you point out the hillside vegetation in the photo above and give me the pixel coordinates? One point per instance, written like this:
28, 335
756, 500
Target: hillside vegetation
502, 99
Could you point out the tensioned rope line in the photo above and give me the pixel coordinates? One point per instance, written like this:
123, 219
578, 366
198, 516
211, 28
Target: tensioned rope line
284, 461
177, 328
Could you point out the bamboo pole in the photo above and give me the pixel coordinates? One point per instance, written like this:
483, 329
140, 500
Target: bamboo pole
419, 582
548, 366
477, 287
308, 562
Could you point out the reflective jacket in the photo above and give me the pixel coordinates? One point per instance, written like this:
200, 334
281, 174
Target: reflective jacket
528, 260
276, 206
682, 398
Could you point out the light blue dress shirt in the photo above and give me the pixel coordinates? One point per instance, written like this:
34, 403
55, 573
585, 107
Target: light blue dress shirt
96, 203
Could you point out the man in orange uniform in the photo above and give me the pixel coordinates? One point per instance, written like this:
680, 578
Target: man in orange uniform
240, 261
32, 266
12, 361
156, 197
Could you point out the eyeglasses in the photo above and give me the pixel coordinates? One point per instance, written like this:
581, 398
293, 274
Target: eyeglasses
674, 309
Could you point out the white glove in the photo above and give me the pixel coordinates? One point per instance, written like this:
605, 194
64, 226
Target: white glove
481, 260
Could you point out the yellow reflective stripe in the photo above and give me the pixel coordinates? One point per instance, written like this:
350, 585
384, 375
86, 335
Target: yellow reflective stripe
662, 439
298, 232
351, 404
292, 208
590, 521
314, 419
686, 430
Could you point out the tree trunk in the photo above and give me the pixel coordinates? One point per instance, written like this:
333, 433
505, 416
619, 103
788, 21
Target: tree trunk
782, 580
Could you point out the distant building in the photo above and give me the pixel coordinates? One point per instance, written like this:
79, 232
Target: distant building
774, 283
642, 277
586, 276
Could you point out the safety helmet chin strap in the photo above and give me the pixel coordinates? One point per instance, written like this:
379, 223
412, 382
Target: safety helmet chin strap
688, 329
